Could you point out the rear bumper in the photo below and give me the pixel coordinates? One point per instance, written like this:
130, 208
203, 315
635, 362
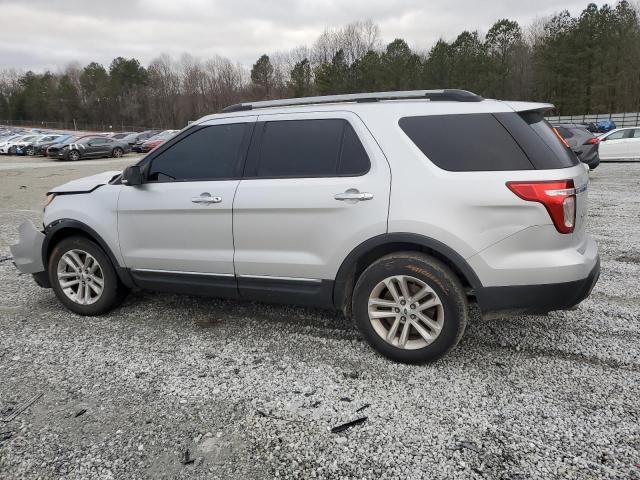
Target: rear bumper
537, 299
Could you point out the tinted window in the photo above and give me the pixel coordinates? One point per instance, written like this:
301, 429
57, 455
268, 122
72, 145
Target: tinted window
300, 148
100, 141
565, 132
636, 133
462, 143
353, 157
211, 152
538, 140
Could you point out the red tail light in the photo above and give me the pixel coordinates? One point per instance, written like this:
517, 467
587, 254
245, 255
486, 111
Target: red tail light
558, 197
592, 141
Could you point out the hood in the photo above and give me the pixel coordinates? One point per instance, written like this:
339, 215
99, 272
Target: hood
86, 184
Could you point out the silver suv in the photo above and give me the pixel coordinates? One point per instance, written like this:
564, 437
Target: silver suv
397, 209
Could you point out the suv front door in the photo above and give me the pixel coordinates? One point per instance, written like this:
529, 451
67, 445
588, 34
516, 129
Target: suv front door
315, 186
177, 226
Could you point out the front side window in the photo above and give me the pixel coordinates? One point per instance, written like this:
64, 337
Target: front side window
618, 135
209, 153
310, 148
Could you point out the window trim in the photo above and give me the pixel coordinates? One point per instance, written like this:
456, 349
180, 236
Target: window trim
253, 158
147, 161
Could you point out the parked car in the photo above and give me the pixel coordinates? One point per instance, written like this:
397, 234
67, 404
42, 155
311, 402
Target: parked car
348, 202
581, 141
159, 139
53, 150
91, 147
40, 147
601, 126
620, 144
30, 148
7, 143
137, 145
10, 146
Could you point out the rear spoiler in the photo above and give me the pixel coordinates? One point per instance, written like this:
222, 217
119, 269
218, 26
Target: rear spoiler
530, 106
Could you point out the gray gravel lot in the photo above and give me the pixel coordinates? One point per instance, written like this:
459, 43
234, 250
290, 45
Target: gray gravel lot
185, 387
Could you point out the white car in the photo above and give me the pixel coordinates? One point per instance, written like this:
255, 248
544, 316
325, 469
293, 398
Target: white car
10, 146
620, 144
396, 208
7, 143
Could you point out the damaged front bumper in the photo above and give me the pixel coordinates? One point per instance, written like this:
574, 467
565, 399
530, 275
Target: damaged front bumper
27, 253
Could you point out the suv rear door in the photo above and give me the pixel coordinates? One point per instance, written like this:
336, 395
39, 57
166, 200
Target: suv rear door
315, 186
177, 225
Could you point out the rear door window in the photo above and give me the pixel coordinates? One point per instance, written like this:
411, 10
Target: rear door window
307, 149
465, 143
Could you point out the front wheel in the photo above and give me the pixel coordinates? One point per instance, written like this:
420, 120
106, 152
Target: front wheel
117, 152
74, 155
410, 307
83, 278
31, 151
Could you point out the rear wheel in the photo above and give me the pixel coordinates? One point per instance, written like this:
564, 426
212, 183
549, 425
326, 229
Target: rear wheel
83, 278
410, 307
12, 150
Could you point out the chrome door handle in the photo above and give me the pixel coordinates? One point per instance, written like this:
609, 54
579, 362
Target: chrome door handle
353, 195
206, 198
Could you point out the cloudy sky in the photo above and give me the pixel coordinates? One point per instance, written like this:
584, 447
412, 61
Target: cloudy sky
41, 34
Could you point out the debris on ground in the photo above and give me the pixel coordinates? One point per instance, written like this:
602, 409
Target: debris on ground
366, 405
80, 412
21, 408
466, 444
346, 426
186, 458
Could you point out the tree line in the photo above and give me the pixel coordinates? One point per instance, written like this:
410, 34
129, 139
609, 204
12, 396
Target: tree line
584, 64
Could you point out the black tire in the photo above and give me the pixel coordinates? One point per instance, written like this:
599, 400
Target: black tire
12, 150
113, 292
435, 275
31, 151
117, 152
73, 155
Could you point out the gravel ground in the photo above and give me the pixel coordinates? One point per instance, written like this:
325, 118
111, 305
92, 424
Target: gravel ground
185, 387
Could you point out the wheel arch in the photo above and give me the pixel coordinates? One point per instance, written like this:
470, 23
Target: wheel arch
371, 250
58, 230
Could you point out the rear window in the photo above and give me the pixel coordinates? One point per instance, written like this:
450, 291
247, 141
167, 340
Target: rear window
465, 143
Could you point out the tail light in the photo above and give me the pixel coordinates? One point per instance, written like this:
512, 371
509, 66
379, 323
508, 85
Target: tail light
557, 196
592, 141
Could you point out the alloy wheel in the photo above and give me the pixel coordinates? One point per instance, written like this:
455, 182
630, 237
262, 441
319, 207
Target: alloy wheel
80, 277
406, 312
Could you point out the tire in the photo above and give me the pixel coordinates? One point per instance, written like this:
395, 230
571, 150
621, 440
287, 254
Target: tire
117, 152
82, 251
73, 155
30, 151
440, 310
11, 151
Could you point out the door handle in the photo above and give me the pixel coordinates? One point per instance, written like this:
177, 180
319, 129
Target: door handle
206, 198
353, 194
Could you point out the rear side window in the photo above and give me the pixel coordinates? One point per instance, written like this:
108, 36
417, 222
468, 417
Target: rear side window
465, 143
209, 153
310, 148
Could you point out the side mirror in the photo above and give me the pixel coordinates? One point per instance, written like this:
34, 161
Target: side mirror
132, 176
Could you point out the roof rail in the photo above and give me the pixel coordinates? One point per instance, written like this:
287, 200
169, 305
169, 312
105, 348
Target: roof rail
450, 95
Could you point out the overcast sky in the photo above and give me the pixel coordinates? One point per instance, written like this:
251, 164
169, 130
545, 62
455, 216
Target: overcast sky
41, 34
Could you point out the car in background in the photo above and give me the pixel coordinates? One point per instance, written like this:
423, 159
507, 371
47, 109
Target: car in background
91, 147
581, 141
158, 140
620, 144
119, 136
30, 148
137, 139
10, 146
7, 143
601, 126
40, 147
52, 150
